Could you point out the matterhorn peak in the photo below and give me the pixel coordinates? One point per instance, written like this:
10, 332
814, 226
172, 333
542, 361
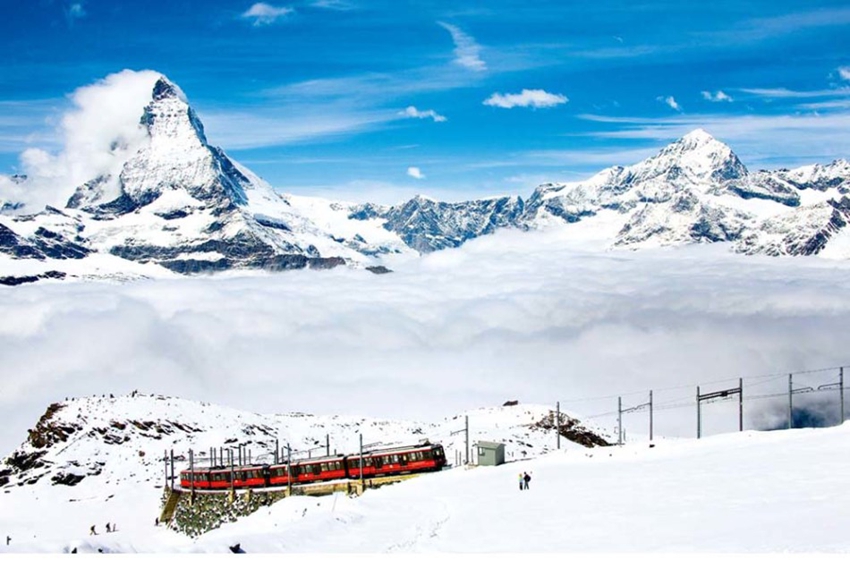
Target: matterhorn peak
169, 115
163, 89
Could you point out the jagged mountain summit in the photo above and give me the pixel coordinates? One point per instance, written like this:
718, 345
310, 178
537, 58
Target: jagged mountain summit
697, 190
177, 203
174, 203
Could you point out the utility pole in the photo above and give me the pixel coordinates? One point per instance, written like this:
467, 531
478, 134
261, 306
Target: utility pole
232, 473
558, 424
841, 382
172, 467
327, 444
191, 471
276, 451
165, 463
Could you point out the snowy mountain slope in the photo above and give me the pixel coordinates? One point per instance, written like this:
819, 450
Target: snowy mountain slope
181, 203
165, 196
78, 440
754, 492
427, 225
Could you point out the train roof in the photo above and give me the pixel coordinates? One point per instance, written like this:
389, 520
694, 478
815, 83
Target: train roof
398, 449
307, 461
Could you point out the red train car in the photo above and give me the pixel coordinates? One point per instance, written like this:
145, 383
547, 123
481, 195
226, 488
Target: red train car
219, 478
376, 463
326, 468
395, 461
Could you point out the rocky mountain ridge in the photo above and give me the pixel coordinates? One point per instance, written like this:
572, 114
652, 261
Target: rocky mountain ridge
181, 205
112, 438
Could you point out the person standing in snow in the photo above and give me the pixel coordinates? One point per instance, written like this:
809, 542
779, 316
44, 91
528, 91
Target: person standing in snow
8, 540
521, 481
526, 478
107, 527
92, 531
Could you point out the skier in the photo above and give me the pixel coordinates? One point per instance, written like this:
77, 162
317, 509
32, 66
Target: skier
107, 528
156, 522
92, 531
8, 540
526, 478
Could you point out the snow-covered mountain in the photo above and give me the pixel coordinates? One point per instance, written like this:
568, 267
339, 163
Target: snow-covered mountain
108, 445
178, 203
169, 202
694, 190
99, 460
78, 440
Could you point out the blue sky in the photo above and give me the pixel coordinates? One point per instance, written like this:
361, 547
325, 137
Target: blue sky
382, 99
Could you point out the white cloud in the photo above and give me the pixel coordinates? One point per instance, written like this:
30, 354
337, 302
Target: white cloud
456, 330
716, 97
844, 73
413, 112
783, 93
669, 101
263, 14
414, 172
333, 4
467, 51
100, 132
535, 98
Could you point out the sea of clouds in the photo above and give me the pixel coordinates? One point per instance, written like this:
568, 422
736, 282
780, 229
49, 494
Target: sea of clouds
512, 316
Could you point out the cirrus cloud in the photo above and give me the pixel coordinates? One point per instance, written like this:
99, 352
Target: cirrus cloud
467, 51
717, 97
413, 112
263, 14
536, 98
670, 102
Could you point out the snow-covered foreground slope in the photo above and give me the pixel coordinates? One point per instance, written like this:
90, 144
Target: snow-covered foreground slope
758, 492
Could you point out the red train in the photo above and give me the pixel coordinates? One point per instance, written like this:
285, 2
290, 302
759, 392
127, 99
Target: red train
376, 463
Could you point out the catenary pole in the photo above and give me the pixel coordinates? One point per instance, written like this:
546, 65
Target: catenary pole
466, 429
650, 416
841, 386
558, 424
361, 462
699, 425
288, 470
741, 404
172, 468
619, 421
790, 398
